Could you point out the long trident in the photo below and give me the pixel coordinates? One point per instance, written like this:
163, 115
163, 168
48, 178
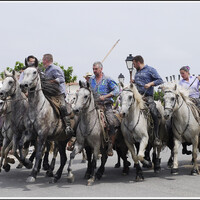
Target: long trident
110, 51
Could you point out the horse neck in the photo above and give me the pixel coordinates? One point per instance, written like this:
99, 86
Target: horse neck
89, 112
181, 113
34, 98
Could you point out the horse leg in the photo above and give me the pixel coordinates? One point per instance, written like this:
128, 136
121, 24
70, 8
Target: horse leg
39, 151
117, 165
46, 156
156, 158
101, 169
174, 169
63, 160
94, 162
4, 146
147, 160
139, 174
123, 150
195, 169
84, 158
77, 149
143, 145
89, 158
49, 172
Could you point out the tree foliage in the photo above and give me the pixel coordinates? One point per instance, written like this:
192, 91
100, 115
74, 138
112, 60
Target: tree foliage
67, 72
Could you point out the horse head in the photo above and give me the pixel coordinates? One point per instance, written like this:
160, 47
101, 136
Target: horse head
171, 99
8, 85
30, 79
83, 98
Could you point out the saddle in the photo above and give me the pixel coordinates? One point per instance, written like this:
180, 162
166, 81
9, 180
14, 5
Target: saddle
55, 103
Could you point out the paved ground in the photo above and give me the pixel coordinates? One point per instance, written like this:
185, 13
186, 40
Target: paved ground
113, 184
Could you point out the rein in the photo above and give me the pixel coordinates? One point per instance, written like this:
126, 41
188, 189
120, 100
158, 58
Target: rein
178, 109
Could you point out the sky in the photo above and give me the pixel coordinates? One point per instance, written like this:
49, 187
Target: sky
166, 34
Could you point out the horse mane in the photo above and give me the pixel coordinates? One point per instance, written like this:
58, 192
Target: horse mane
137, 96
49, 88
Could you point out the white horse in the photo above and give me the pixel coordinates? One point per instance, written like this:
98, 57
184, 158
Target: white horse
45, 122
136, 128
185, 120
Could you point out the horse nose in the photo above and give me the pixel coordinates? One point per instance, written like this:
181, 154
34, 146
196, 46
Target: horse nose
166, 116
76, 110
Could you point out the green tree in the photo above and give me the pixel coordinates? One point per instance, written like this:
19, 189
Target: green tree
158, 96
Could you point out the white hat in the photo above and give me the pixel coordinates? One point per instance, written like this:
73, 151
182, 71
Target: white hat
87, 74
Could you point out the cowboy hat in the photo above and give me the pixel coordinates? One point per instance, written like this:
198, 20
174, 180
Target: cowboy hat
87, 74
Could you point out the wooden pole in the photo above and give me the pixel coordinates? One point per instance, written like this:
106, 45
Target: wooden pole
110, 51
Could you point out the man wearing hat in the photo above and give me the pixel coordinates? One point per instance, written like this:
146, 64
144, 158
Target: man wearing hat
87, 76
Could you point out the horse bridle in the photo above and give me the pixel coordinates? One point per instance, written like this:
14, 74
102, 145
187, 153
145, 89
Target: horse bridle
178, 109
176, 100
129, 90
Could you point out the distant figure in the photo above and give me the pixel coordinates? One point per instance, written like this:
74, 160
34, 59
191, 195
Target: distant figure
87, 76
192, 83
30, 61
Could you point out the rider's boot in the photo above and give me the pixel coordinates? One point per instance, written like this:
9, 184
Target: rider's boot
111, 141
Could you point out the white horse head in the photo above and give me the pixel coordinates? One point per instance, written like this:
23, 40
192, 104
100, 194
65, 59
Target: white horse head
30, 79
83, 100
172, 92
8, 85
129, 97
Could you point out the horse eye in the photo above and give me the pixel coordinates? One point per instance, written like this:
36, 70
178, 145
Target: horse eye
34, 72
10, 82
130, 97
172, 99
85, 96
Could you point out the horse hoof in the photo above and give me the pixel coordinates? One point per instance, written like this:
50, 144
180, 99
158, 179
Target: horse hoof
194, 172
53, 180
49, 174
170, 164
6, 168
90, 182
83, 161
30, 179
70, 179
139, 178
117, 165
174, 171
10, 160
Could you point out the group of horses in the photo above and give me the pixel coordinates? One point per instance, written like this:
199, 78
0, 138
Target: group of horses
32, 120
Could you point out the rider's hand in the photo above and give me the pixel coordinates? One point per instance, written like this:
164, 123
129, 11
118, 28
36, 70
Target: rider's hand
148, 85
102, 98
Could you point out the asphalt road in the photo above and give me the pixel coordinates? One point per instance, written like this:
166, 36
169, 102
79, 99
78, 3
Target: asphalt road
113, 183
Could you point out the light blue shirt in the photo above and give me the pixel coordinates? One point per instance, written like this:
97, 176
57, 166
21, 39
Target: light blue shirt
194, 88
56, 73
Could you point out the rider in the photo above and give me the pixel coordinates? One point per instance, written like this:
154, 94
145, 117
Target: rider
105, 88
145, 78
192, 83
55, 74
30, 61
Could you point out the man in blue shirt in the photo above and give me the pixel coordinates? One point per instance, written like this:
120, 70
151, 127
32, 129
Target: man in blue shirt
104, 88
55, 74
145, 78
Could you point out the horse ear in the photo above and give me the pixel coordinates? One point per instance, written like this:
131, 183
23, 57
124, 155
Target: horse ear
13, 72
80, 84
7, 73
